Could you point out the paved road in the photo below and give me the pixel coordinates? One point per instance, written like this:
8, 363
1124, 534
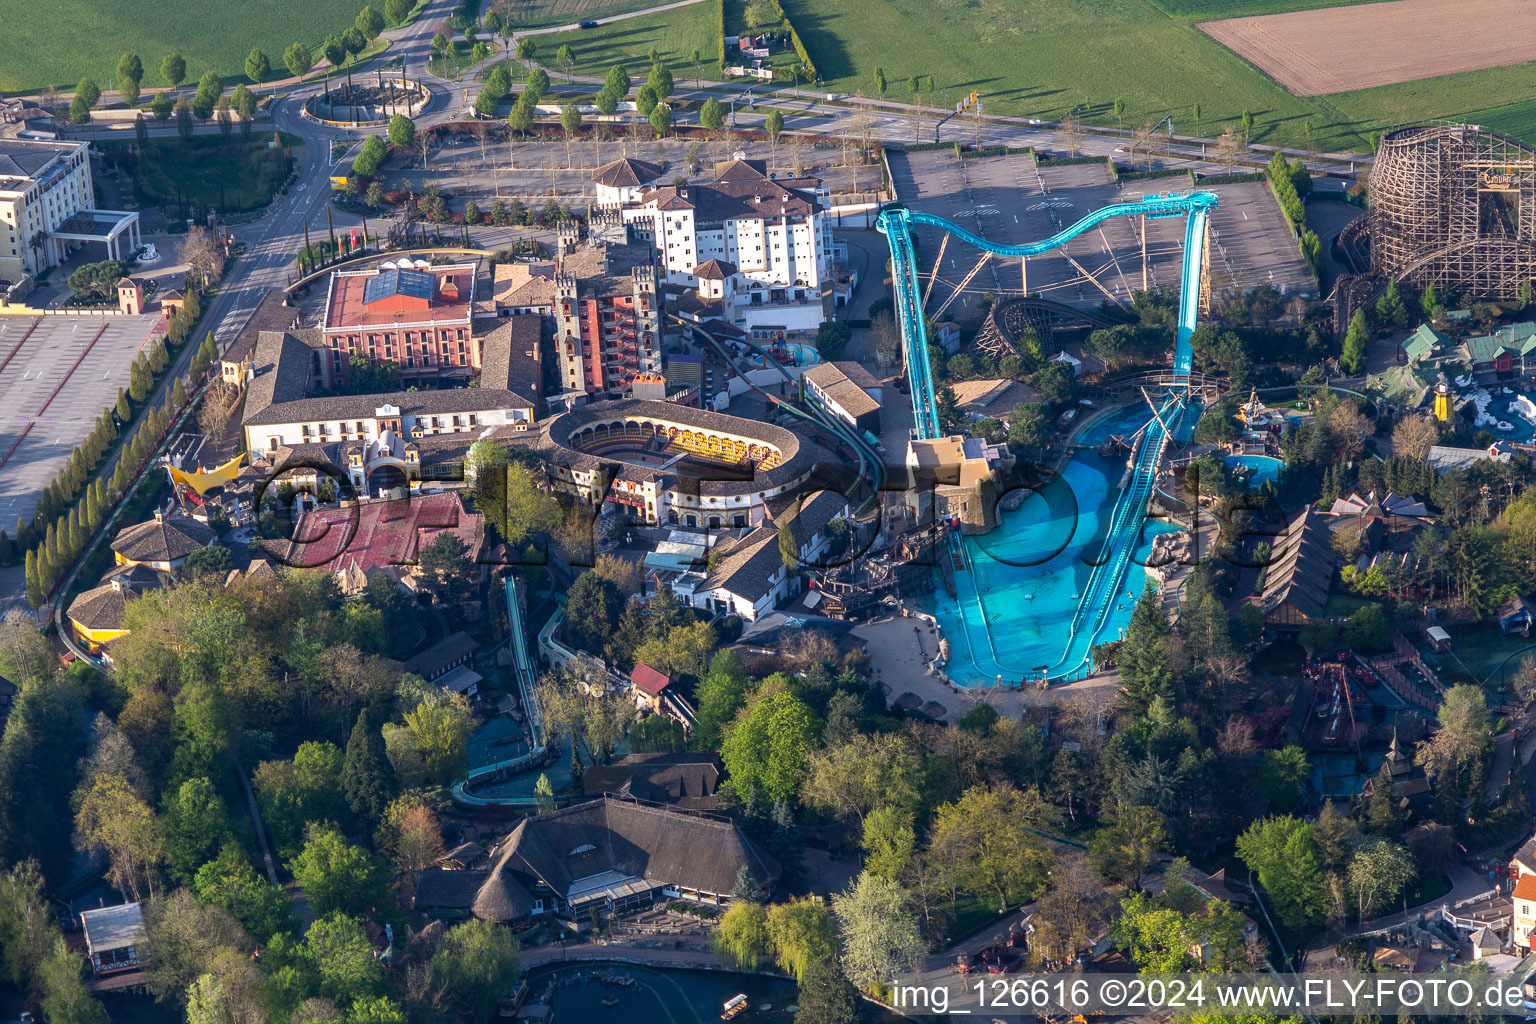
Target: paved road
1465, 884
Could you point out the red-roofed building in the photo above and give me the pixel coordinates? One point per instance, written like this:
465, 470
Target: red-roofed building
378, 534
649, 684
1524, 899
409, 313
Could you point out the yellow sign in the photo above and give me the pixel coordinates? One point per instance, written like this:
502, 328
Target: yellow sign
338, 182
1501, 181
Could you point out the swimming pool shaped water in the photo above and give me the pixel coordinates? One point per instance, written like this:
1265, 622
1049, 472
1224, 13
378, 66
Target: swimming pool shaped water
1014, 610
1265, 467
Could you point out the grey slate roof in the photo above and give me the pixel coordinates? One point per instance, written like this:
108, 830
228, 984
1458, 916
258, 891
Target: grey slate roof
1300, 571
662, 845
626, 173
685, 779
269, 315
164, 540
747, 567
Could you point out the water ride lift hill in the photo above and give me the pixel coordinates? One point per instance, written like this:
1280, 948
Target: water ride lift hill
1109, 569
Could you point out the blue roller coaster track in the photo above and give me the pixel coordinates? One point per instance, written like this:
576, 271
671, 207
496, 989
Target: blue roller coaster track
1124, 527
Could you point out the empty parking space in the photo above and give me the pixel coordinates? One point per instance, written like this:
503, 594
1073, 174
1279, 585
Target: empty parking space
57, 373
1010, 201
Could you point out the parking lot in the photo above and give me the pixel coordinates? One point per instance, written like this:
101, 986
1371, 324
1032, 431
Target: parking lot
57, 373
1009, 201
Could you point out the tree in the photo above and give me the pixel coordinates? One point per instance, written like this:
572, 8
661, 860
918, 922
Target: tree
337, 949
411, 835
298, 60
661, 119
398, 10
1414, 436
209, 88
369, 22
366, 163
520, 120
774, 126
173, 69
1130, 844
827, 996
336, 875
477, 962
660, 81
1159, 938
984, 842
712, 114
1369, 630
86, 95
1384, 814
566, 58
366, 777
570, 119
768, 743
880, 81
592, 607
1281, 851
1143, 656
801, 933
111, 818
440, 726
880, 930
1281, 774
831, 339
402, 131
1352, 358
1377, 872
230, 882
183, 939
538, 86
646, 100
721, 694
1071, 913
196, 824
742, 934
1247, 123
889, 841
617, 82
868, 771
1390, 311
130, 72
257, 67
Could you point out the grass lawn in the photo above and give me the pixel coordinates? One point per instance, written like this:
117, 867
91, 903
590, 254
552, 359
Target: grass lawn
75, 38
675, 34
972, 914
234, 173
547, 13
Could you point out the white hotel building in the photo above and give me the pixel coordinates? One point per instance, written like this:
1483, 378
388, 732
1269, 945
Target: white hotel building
46, 198
758, 250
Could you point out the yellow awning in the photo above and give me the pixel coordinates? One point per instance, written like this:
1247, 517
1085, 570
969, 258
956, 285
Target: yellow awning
202, 483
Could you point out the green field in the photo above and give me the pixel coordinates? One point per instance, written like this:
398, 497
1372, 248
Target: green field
58, 44
675, 34
546, 13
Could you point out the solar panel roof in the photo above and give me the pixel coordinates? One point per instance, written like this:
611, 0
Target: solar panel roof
417, 284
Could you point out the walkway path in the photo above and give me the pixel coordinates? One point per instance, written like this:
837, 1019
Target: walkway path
1465, 884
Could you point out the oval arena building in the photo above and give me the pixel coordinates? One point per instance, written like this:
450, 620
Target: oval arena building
673, 464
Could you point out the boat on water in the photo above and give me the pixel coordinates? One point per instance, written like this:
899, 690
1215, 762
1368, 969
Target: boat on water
735, 1006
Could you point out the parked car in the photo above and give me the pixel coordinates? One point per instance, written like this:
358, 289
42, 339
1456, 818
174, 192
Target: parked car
586, 24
